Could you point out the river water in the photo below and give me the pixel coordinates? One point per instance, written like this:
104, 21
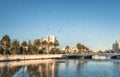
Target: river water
60, 68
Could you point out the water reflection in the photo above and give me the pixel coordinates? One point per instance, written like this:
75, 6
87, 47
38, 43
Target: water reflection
36, 68
60, 68
78, 68
40, 70
8, 71
22, 72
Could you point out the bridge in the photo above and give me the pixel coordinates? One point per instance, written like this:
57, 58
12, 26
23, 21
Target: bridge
90, 55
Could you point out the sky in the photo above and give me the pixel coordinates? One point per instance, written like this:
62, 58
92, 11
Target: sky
94, 23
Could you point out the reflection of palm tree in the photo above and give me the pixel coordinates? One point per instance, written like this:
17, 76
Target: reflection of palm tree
81, 64
22, 72
8, 71
67, 66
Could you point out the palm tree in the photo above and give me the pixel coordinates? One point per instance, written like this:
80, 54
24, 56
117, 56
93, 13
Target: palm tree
1, 49
33, 49
5, 43
50, 45
24, 46
44, 45
82, 48
14, 47
67, 48
37, 43
56, 43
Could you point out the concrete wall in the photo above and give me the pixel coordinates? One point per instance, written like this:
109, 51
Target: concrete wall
49, 56
25, 62
28, 57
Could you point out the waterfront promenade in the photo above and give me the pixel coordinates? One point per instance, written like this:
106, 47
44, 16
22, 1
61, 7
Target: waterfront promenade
50, 56
25, 62
28, 57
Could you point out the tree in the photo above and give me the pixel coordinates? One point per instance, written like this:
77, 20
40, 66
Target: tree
5, 43
37, 43
44, 46
20, 50
67, 48
50, 44
14, 47
79, 46
1, 50
44, 43
56, 43
82, 48
33, 49
24, 46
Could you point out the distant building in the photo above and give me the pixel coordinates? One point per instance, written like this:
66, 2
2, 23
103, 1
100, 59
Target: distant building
44, 39
51, 38
71, 50
116, 46
74, 50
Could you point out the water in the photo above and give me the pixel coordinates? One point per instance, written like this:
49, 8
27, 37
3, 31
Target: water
60, 68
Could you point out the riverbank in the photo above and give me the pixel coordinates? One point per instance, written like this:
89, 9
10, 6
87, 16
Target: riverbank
25, 62
98, 56
29, 57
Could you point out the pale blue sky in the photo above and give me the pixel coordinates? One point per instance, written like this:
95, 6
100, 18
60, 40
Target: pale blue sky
95, 23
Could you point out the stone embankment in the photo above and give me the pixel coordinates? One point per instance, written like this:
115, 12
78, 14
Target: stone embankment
25, 62
28, 57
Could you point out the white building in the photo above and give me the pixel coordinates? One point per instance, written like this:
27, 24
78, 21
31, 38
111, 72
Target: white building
116, 46
51, 38
44, 39
74, 50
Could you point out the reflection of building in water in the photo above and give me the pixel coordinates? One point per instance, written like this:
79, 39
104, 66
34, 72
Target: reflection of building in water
116, 69
22, 72
7, 71
38, 69
42, 70
47, 70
